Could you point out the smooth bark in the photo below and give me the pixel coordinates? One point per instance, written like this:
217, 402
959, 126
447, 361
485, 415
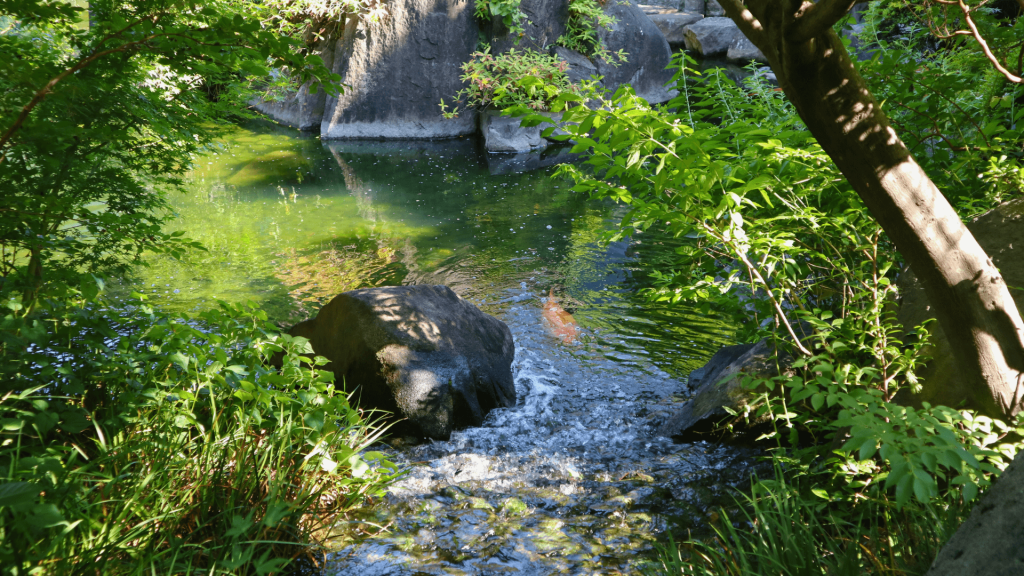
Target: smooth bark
970, 298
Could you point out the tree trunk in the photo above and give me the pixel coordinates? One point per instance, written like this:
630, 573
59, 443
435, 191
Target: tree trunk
970, 298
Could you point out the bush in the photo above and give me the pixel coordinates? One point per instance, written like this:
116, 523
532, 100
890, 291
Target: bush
514, 79
138, 442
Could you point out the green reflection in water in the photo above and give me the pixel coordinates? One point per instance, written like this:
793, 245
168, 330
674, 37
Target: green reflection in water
290, 221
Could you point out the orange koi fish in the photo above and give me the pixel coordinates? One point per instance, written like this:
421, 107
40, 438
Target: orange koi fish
561, 324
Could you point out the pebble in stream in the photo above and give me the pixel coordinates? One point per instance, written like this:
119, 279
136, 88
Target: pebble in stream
570, 481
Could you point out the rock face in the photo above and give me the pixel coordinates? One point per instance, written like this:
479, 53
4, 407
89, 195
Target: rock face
419, 352
580, 67
712, 36
649, 54
398, 69
991, 540
1001, 233
718, 384
545, 22
673, 26
301, 109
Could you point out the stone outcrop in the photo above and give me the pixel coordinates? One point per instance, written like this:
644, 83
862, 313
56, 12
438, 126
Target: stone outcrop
398, 69
421, 353
991, 540
743, 50
300, 109
580, 67
1001, 233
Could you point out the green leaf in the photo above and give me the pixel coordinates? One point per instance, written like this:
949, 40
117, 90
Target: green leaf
74, 421
46, 516
13, 493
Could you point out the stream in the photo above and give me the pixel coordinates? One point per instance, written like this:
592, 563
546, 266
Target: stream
570, 480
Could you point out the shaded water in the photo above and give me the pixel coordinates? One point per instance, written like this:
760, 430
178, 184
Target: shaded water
571, 479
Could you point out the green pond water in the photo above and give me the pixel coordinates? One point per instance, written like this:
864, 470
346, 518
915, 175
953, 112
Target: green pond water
572, 479
290, 221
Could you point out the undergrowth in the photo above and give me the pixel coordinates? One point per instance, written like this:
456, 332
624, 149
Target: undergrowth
135, 442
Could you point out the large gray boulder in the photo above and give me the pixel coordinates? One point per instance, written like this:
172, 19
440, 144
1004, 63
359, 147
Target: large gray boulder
719, 384
649, 54
420, 352
991, 541
398, 69
673, 26
1001, 233
712, 36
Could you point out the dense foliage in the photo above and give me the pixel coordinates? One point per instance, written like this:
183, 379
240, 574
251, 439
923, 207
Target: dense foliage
139, 442
133, 441
776, 237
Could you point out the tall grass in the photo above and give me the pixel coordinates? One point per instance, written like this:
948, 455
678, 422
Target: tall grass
197, 457
783, 531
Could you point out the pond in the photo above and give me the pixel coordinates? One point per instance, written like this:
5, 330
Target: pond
572, 479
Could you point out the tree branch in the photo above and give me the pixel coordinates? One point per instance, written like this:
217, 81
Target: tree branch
747, 23
45, 90
813, 19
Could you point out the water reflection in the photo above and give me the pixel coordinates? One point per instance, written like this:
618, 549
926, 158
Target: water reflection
289, 222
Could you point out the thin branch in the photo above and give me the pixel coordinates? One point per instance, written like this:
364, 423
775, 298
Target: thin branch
813, 19
747, 23
984, 45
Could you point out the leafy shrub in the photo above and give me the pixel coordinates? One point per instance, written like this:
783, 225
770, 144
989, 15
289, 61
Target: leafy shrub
514, 79
138, 442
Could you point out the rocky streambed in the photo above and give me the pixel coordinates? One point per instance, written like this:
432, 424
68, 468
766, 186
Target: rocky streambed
571, 480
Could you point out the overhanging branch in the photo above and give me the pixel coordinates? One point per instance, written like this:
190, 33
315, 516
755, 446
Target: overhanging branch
814, 18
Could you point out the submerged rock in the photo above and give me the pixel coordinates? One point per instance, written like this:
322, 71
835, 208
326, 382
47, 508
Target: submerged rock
419, 352
718, 384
